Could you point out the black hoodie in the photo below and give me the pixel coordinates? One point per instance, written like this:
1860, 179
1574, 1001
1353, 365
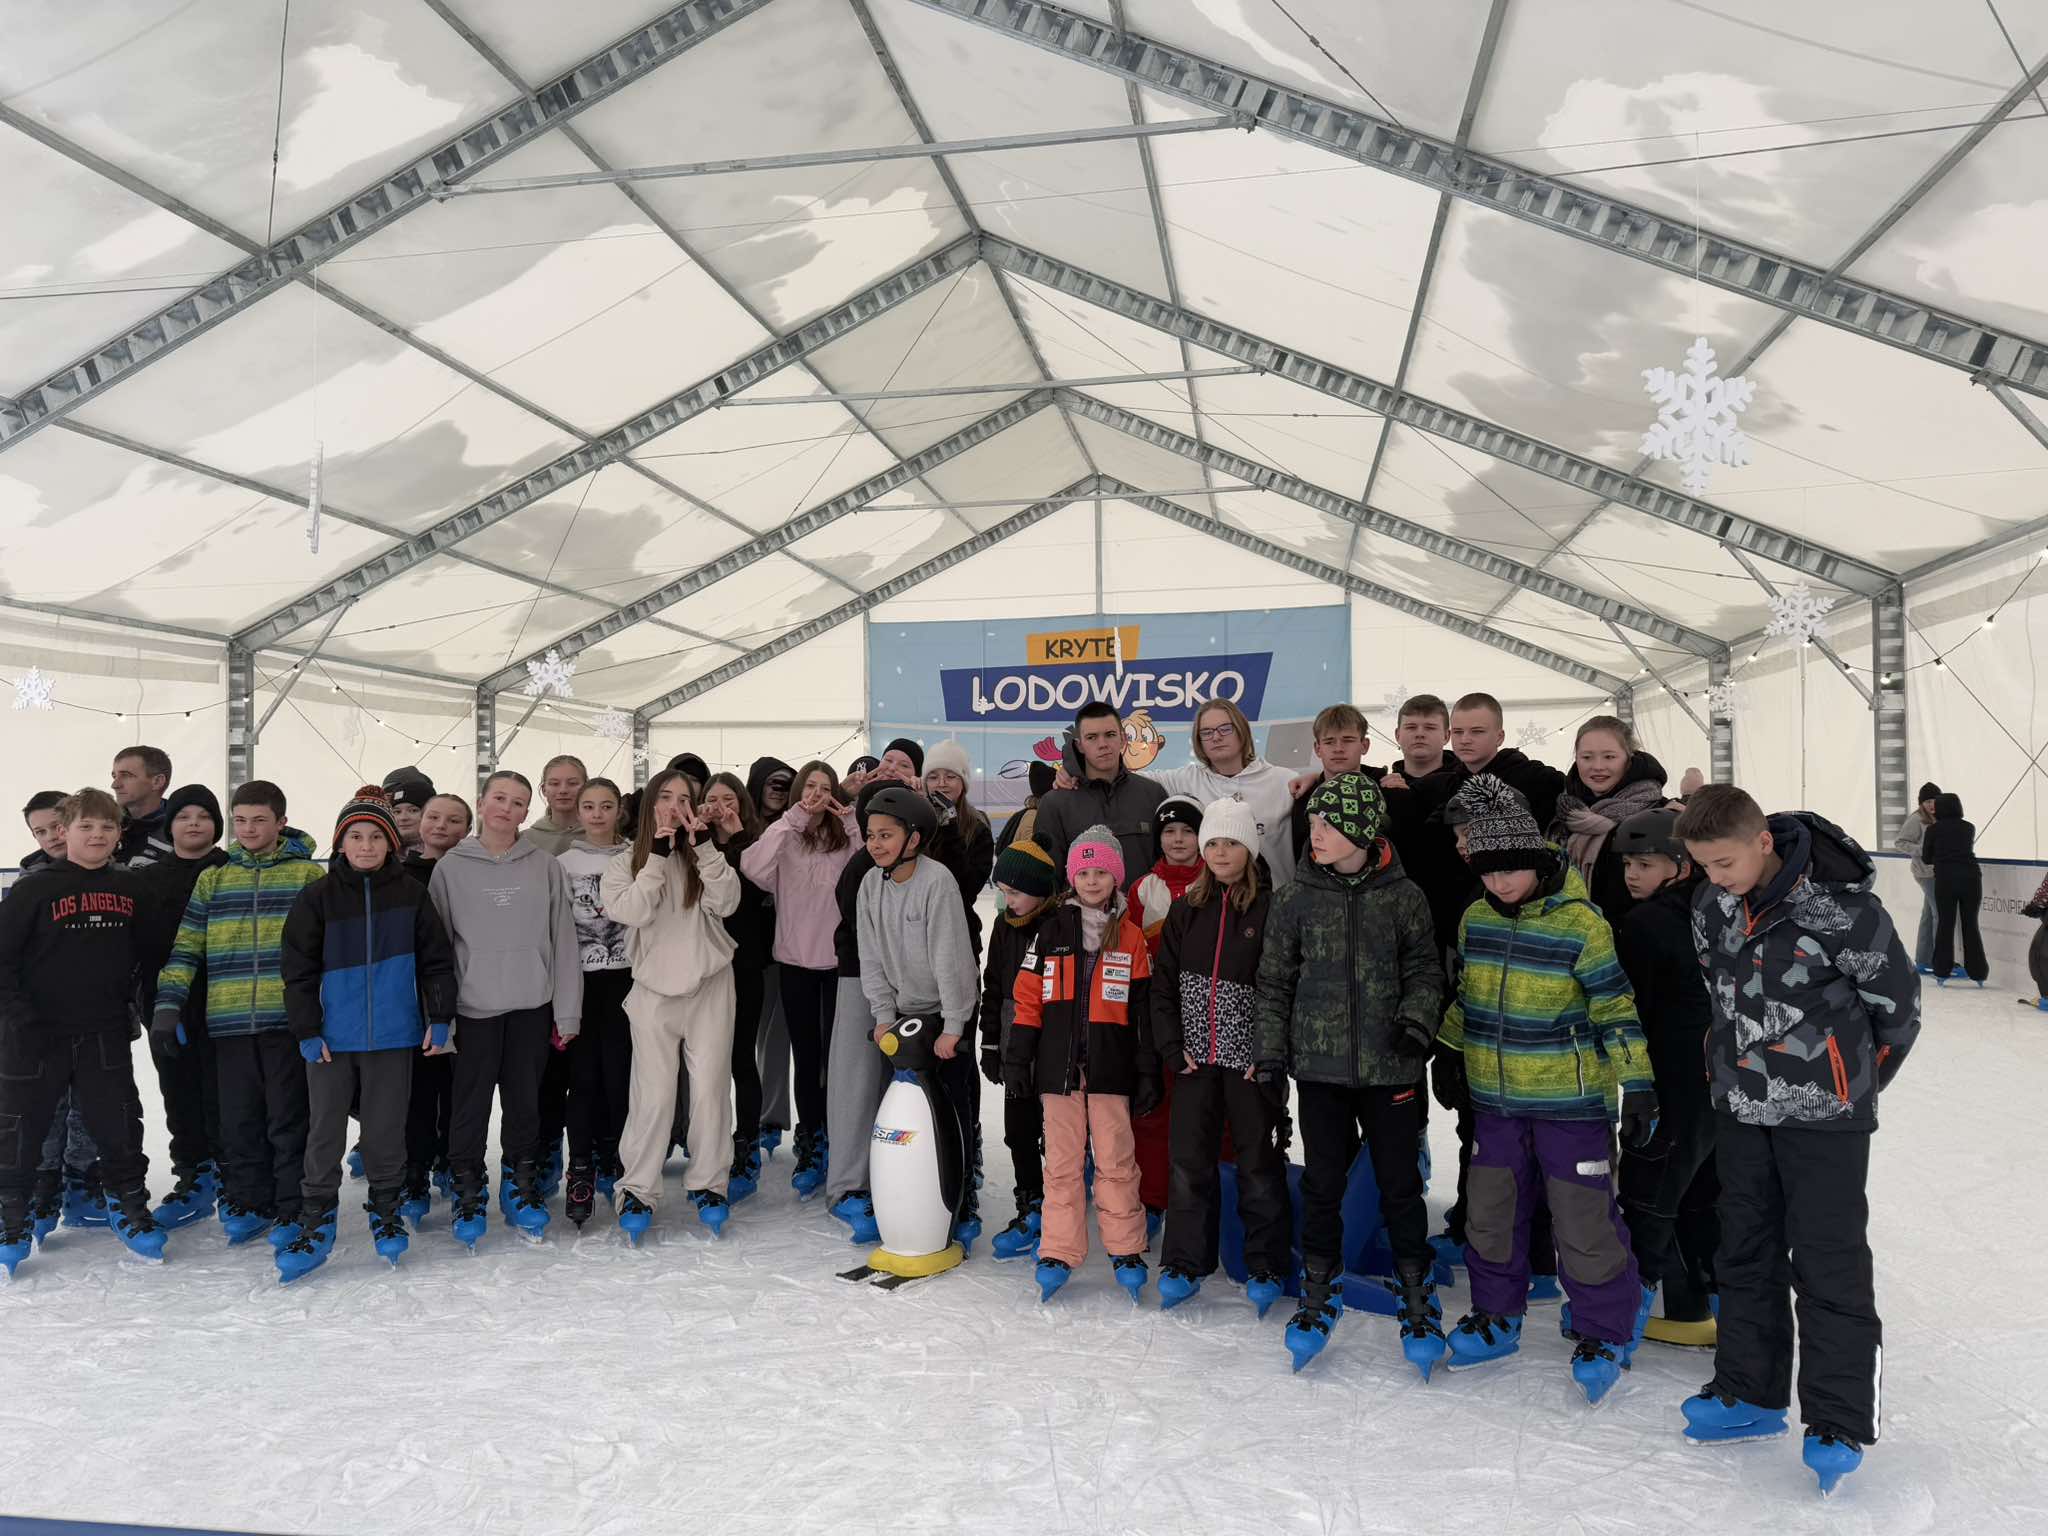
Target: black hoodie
758, 776
1445, 878
1654, 943
68, 952
166, 886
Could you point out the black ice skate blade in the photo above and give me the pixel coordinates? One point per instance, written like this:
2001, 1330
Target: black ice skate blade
880, 1279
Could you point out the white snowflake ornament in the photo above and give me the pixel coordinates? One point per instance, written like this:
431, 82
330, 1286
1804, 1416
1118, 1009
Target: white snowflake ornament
1720, 699
313, 499
1395, 697
1533, 735
1696, 411
32, 690
553, 673
1797, 612
614, 725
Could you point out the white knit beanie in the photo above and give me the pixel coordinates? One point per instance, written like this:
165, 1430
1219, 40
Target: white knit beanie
1231, 818
950, 754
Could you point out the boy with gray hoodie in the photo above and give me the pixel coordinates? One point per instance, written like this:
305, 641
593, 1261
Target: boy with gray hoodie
504, 900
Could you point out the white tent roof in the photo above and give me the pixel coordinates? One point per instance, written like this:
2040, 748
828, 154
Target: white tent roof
531, 406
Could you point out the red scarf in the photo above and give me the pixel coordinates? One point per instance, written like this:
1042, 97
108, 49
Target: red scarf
1177, 877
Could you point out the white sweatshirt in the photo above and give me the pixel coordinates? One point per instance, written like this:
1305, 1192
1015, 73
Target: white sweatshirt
1262, 786
675, 948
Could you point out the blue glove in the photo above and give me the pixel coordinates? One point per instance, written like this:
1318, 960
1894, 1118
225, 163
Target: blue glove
311, 1050
438, 1034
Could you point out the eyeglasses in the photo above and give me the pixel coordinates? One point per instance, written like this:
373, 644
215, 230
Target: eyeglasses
1217, 732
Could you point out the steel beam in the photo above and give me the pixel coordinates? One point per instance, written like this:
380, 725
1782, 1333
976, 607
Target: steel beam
1888, 710
641, 747
803, 158
1587, 475
1348, 581
298, 671
1553, 202
896, 586
1625, 707
826, 513
486, 740
1661, 680
1721, 727
1499, 567
460, 157
1000, 389
618, 443
241, 715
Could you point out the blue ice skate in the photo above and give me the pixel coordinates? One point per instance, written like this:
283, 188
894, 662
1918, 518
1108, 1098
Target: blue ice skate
1712, 1419
1051, 1274
529, 1215
811, 1154
1597, 1365
1177, 1285
1020, 1238
1643, 1309
1263, 1287
412, 1210
308, 1251
1155, 1221
1482, 1338
444, 1183
713, 1209
745, 1177
284, 1231
635, 1216
469, 1219
1311, 1326
1449, 1254
769, 1139
1422, 1320
16, 1243
387, 1234
355, 1162
1543, 1290
1830, 1457
137, 1228
191, 1199
1129, 1271
857, 1209
45, 1211
84, 1207
965, 1231
240, 1223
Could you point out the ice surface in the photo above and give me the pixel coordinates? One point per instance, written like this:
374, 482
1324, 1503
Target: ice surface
740, 1387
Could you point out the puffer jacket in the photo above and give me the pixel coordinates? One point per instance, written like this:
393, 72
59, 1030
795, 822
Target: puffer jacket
1654, 944
1205, 982
1810, 985
1055, 1028
367, 964
233, 928
1347, 966
1008, 942
1544, 1012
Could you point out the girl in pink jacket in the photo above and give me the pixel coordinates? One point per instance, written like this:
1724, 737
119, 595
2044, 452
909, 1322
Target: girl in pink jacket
797, 861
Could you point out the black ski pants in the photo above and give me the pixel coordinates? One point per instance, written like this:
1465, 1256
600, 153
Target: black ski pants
749, 984
36, 1069
1793, 1220
427, 1113
191, 1092
503, 1056
1659, 1195
1958, 894
1331, 1116
809, 999
600, 1070
1204, 1101
263, 1120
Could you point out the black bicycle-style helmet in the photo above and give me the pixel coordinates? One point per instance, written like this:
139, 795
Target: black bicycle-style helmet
1650, 832
907, 806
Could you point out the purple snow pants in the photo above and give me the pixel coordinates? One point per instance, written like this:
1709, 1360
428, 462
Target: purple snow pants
1575, 1161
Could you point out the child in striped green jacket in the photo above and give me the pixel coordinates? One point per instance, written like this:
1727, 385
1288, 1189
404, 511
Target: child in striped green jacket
1551, 1047
232, 935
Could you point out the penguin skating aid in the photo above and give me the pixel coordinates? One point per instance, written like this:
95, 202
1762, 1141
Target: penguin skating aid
917, 1165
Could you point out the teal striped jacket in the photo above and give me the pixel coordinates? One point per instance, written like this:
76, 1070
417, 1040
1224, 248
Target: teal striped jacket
1544, 1012
233, 935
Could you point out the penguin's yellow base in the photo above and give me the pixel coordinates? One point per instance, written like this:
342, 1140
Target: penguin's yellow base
916, 1266
1699, 1335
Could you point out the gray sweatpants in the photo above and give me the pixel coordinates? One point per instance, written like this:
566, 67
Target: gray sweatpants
771, 1053
856, 1073
379, 1085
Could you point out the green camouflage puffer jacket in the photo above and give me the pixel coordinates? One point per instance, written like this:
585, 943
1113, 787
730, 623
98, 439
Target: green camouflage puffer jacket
1345, 966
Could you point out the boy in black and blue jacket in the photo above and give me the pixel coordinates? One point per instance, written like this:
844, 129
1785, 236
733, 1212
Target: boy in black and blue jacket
369, 981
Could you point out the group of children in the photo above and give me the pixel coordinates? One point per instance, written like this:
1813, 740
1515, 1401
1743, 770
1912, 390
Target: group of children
1739, 1018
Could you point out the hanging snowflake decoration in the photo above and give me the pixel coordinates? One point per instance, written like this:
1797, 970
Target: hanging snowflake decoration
551, 674
1797, 612
641, 755
614, 725
1395, 697
1533, 735
32, 690
1720, 699
313, 499
1696, 411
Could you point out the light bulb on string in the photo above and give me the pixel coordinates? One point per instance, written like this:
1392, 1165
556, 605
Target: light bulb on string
1990, 619
1939, 664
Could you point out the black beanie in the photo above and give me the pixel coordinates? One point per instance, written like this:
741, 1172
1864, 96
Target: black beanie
1928, 791
691, 766
189, 795
909, 749
1040, 776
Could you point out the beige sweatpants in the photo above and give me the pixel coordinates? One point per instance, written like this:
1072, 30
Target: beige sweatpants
698, 1028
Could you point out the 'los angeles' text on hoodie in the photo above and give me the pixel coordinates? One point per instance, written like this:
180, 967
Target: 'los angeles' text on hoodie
514, 931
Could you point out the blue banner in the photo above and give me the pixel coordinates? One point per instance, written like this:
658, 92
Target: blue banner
1169, 689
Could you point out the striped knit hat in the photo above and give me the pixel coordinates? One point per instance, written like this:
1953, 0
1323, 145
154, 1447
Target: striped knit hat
370, 804
1026, 867
1501, 834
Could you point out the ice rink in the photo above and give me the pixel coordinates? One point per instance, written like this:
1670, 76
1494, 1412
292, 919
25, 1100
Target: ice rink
738, 1386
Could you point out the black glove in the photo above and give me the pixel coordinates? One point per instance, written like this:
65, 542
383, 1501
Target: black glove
1271, 1078
992, 1064
662, 846
1017, 1080
1147, 1095
1412, 1040
1448, 1082
1638, 1116
1888, 1063
166, 1034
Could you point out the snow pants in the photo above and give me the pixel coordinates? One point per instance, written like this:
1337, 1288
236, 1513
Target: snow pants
697, 1030
263, 1117
37, 1070
1519, 1163
1332, 1115
1205, 1101
600, 1069
855, 1079
1794, 1217
379, 1083
1542, 1243
1072, 1121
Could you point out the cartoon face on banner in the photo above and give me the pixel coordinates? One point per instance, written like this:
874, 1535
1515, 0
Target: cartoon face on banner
1009, 689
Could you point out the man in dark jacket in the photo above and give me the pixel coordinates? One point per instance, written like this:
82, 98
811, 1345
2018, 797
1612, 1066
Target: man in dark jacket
141, 777
1668, 1186
1816, 1004
1105, 793
184, 1059
1416, 790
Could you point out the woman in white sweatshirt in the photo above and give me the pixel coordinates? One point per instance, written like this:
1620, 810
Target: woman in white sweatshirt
1227, 768
673, 889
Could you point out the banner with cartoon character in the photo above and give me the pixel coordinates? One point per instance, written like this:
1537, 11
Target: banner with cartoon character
1008, 688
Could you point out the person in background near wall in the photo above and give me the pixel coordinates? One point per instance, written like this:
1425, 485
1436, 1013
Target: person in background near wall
601, 1060
44, 814
964, 843
1227, 767
1612, 778
1022, 827
1951, 851
797, 860
768, 782
1690, 784
693, 768
141, 778
1910, 840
